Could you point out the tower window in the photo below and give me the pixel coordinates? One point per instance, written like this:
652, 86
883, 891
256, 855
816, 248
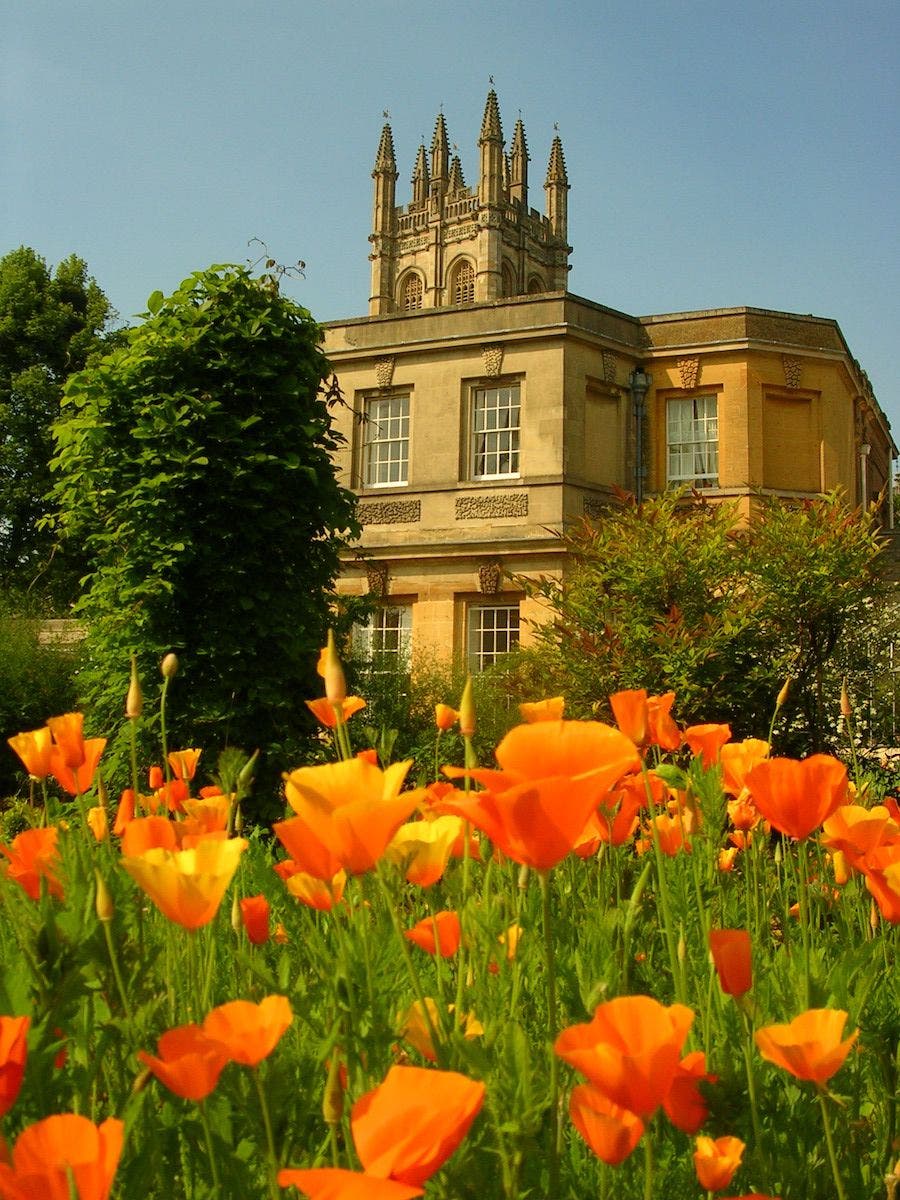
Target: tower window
463, 290
495, 432
692, 428
412, 293
385, 451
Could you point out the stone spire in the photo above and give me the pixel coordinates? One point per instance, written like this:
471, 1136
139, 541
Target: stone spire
556, 187
490, 187
440, 155
491, 129
456, 175
420, 179
384, 159
518, 166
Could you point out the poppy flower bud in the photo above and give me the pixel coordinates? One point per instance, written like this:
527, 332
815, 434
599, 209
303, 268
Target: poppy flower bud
846, 707
103, 903
245, 776
134, 701
782, 696
169, 666
335, 684
467, 710
237, 923
333, 1100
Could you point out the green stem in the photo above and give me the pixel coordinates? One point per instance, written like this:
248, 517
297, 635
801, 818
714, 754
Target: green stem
207, 1133
552, 1022
648, 1166
117, 974
274, 1191
829, 1142
804, 917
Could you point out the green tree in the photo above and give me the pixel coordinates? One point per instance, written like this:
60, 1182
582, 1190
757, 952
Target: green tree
50, 323
194, 464
677, 596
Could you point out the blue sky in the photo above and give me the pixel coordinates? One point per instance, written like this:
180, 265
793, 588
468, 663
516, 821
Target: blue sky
719, 154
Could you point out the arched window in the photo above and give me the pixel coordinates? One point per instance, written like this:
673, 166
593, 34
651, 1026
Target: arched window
508, 280
411, 292
462, 290
535, 286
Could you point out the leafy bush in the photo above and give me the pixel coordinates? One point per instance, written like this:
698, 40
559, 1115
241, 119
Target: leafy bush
675, 596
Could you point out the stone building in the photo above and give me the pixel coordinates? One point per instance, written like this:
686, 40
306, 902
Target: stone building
490, 407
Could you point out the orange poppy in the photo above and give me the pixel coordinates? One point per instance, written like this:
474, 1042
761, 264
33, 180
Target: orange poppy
543, 710
416, 1027
125, 812
725, 860
80, 778
320, 894
553, 775
707, 741
13, 1052
810, 1047
671, 833
189, 1063
148, 833
187, 886
611, 1132
439, 934
743, 813
68, 738
797, 796
408, 1126
33, 748
155, 778
58, 1149
98, 821
856, 830
684, 1103
249, 1032
445, 717
738, 759
255, 919
34, 856
351, 808
630, 1050
717, 1161
308, 853
881, 868
184, 763
205, 816
423, 848
730, 950
325, 711
335, 1183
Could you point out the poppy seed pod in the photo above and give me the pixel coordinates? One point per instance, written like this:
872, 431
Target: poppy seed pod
467, 710
169, 666
335, 684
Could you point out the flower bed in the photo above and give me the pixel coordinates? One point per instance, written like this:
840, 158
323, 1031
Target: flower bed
629, 962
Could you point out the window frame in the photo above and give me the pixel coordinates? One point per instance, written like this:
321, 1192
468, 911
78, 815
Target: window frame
376, 628
486, 444
699, 447
478, 658
462, 266
372, 463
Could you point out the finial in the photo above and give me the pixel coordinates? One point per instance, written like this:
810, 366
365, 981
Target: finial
385, 114
491, 80
556, 126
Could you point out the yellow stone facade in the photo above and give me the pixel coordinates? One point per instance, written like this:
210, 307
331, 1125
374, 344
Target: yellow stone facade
478, 430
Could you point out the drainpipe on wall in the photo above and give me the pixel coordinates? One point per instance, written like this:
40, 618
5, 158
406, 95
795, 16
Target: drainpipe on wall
864, 451
638, 385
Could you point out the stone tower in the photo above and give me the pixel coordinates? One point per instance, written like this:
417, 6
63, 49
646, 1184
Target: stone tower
454, 244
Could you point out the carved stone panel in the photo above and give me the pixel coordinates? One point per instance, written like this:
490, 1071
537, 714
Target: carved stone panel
609, 366
384, 371
689, 369
377, 578
389, 512
493, 360
483, 508
489, 575
793, 371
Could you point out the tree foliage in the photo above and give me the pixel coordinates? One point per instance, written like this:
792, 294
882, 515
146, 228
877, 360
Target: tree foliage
677, 596
194, 464
50, 323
